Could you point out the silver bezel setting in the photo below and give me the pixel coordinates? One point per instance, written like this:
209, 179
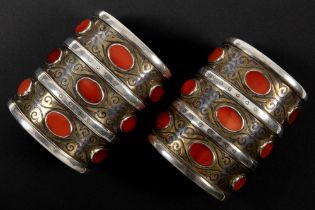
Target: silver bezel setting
74, 107
29, 89
209, 148
216, 115
126, 48
255, 70
185, 169
194, 119
86, 101
59, 58
87, 29
71, 127
125, 32
44, 141
259, 56
240, 98
104, 72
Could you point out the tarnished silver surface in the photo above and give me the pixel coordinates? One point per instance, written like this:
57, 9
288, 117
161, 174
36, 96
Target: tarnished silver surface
263, 116
75, 108
185, 169
124, 31
256, 54
43, 140
104, 72
184, 109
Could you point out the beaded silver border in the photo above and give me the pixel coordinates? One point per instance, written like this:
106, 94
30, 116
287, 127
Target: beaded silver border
104, 72
75, 108
234, 151
262, 115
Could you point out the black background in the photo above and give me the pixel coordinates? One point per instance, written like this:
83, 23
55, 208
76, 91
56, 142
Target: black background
135, 176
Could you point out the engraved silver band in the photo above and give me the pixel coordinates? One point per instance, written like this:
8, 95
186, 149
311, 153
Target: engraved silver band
40, 138
75, 108
104, 72
125, 32
190, 173
193, 118
259, 56
236, 95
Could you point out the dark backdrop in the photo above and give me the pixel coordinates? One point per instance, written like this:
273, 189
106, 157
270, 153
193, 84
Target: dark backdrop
135, 176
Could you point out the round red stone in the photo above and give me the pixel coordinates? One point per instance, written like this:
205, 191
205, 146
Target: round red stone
99, 156
83, 26
163, 120
257, 82
230, 118
216, 55
90, 90
128, 124
266, 149
120, 56
201, 154
58, 124
24, 87
54, 56
156, 93
238, 183
189, 87
293, 116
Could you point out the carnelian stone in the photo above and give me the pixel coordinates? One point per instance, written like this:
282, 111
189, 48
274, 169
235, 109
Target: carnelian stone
266, 149
189, 87
230, 118
90, 90
54, 56
58, 124
120, 56
24, 87
216, 55
163, 120
128, 124
99, 156
201, 154
156, 93
257, 82
293, 116
83, 26
239, 183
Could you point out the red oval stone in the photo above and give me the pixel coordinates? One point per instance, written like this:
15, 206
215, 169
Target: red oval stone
24, 87
216, 55
120, 56
257, 82
201, 154
128, 124
163, 120
238, 182
99, 155
156, 93
58, 124
293, 116
54, 56
189, 87
90, 90
266, 149
83, 26
230, 118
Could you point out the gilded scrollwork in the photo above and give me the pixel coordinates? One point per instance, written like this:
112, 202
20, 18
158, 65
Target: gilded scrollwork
35, 107
178, 137
208, 98
234, 66
113, 107
141, 77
